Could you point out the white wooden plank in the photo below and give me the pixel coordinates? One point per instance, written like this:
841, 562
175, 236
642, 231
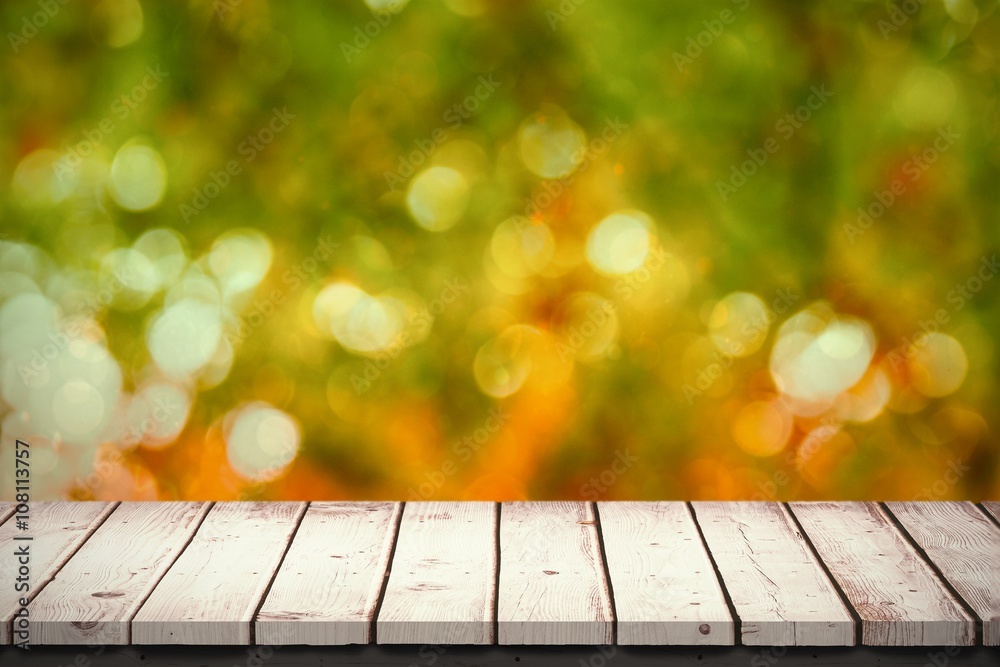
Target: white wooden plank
95, 595
552, 584
900, 600
665, 588
442, 582
777, 587
6, 511
57, 529
210, 594
965, 547
329, 583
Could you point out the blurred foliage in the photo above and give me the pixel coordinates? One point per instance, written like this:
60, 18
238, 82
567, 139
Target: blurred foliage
484, 249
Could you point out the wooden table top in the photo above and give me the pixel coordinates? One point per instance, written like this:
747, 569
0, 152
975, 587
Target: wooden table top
541, 573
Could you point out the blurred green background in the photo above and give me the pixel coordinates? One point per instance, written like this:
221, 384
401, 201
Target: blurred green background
482, 249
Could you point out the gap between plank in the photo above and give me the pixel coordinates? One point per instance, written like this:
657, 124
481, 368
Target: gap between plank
59, 566
190, 538
989, 514
496, 577
66, 559
8, 514
858, 623
373, 633
737, 623
274, 575
607, 574
937, 571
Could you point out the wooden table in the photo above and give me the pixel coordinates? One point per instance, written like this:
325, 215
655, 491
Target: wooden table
701, 574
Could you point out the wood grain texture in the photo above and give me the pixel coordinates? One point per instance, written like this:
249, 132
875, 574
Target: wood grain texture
442, 582
965, 547
210, 594
57, 529
777, 587
900, 600
665, 588
95, 595
6, 511
329, 583
95, 566
552, 584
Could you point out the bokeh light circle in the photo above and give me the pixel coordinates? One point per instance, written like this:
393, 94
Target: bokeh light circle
261, 441
138, 178
939, 365
437, 198
762, 428
815, 358
239, 259
738, 324
551, 144
620, 242
521, 248
184, 337
502, 364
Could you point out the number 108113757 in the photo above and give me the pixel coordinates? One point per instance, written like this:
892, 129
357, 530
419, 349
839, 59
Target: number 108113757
22, 482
